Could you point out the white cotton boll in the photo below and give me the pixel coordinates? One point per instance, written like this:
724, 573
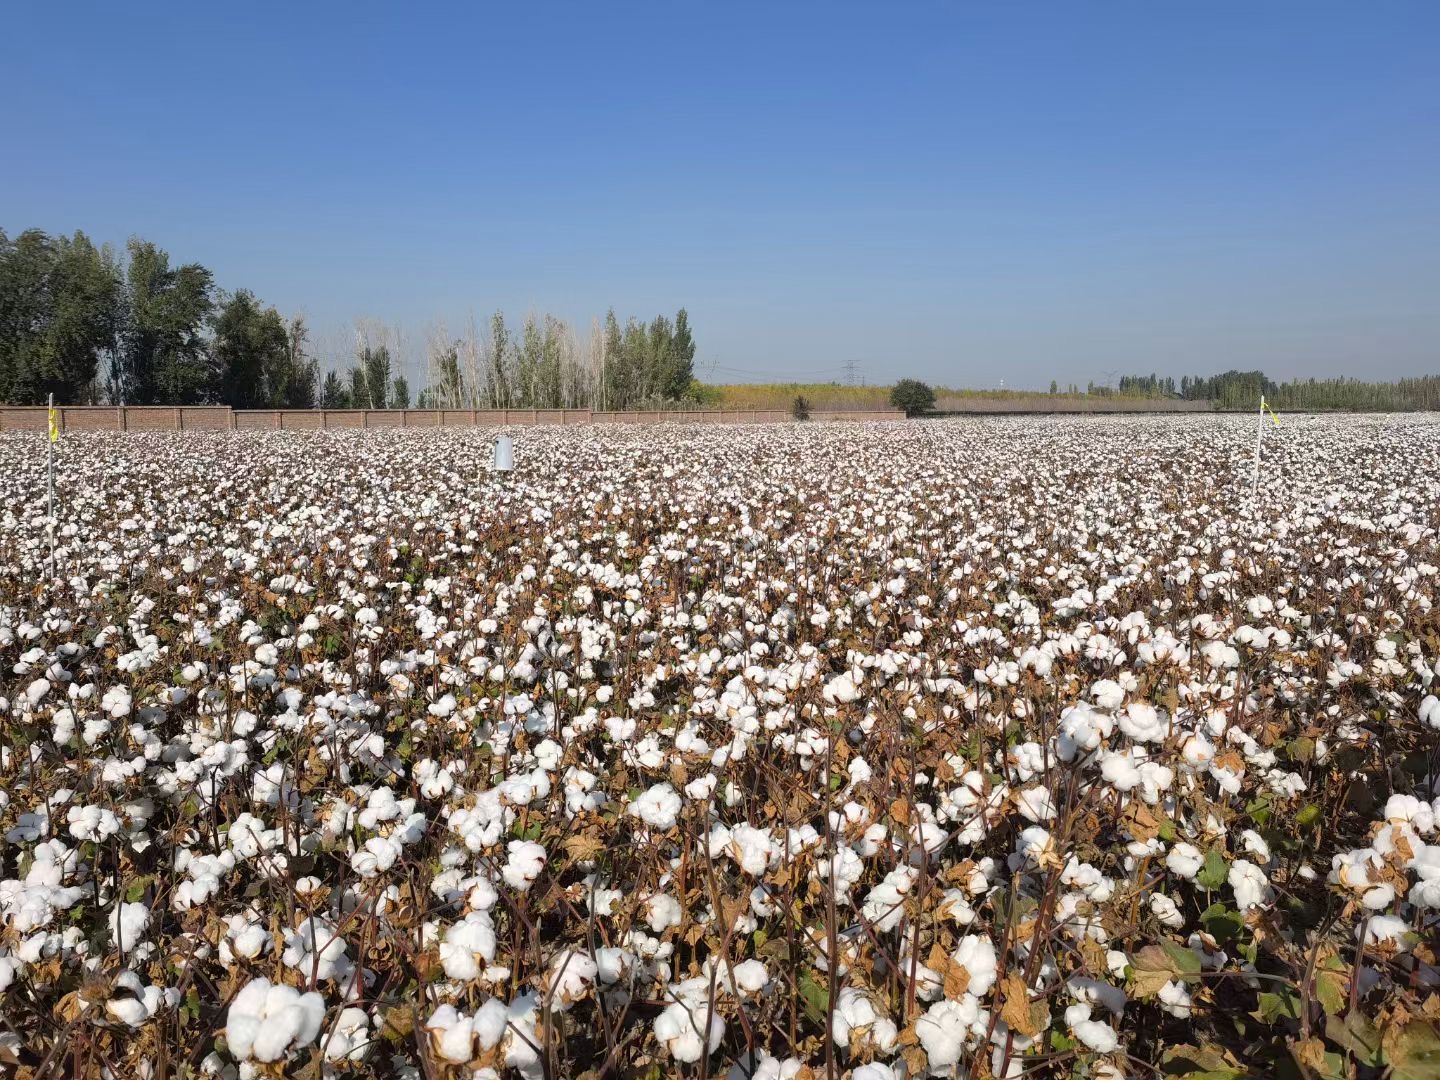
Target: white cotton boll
1035, 804
943, 1029
490, 1022
884, 905
442, 707
1164, 909
658, 806
268, 1022
570, 977
350, 1038
1142, 723
1120, 771
1430, 711
367, 616
127, 925
468, 945
1108, 694
1097, 1036
875, 1071
1184, 860
1391, 930
842, 689
1175, 999
1408, 810
678, 1029
1252, 887
856, 1022
751, 848
662, 912
751, 976
1379, 898
1255, 844
452, 1034
976, 955
315, 946
525, 861
266, 655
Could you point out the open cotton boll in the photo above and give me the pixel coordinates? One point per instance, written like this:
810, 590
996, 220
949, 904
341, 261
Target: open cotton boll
977, 956
315, 946
857, 1023
526, 860
1164, 909
1108, 694
662, 911
1120, 771
884, 905
468, 946
268, 1022
570, 977
678, 1028
1097, 1036
843, 688
1430, 711
1184, 860
943, 1029
127, 925
1175, 999
350, 1039
1252, 887
658, 806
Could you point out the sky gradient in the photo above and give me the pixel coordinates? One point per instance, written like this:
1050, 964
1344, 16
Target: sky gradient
963, 193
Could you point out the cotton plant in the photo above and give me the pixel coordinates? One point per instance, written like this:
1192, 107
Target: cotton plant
669, 731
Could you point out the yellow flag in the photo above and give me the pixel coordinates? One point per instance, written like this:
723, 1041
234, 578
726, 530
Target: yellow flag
54, 425
1271, 411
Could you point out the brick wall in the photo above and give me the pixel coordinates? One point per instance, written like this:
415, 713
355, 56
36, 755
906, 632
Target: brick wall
221, 418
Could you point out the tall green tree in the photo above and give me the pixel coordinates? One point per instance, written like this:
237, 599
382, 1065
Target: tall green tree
59, 314
251, 350
682, 364
334, 394
297, 382
164, 356
400, 393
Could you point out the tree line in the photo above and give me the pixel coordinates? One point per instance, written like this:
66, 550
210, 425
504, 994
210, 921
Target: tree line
1242, 389
92, 325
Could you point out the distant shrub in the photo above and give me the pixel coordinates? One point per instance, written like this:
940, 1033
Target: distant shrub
913, 396
800, 407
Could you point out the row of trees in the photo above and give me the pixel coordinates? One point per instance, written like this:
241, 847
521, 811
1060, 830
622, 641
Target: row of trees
545, 365
88, 324
1242, 389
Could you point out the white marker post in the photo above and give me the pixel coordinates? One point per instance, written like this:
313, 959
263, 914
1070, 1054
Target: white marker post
53, 436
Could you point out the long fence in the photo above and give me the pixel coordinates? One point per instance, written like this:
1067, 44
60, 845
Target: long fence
1044, 403
224, 418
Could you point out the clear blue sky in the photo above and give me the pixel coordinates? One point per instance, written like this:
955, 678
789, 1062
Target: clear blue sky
960, 192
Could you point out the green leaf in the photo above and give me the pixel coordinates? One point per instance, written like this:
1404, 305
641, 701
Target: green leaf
1223, 924
1414, 1052
816, 998
1185, 959
1200, 1063
1213, 874
136, 890
1309, 815
1282, 1004
1358, 1035
1332, 985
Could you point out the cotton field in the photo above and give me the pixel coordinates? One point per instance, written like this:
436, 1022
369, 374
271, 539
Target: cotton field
964, 749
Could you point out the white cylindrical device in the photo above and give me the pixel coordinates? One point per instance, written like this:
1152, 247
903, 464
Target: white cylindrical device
504, 454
